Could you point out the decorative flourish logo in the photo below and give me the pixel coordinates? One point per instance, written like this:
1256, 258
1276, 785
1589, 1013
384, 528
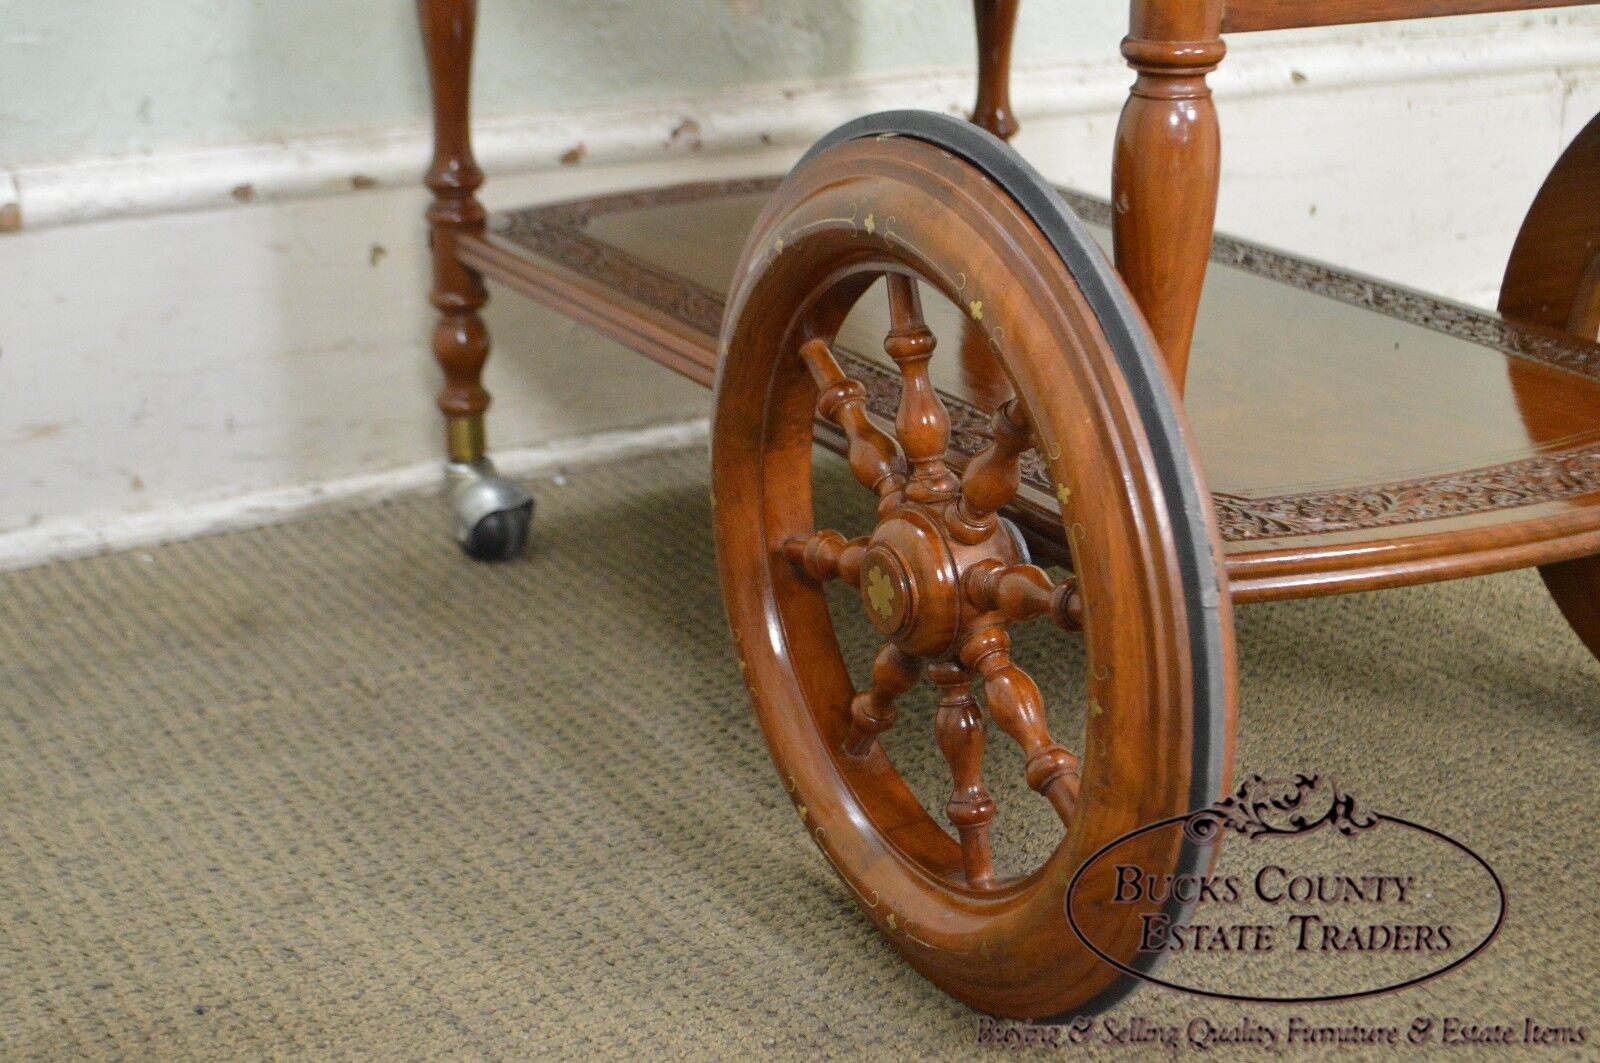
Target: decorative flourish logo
1295, 914
1276, 806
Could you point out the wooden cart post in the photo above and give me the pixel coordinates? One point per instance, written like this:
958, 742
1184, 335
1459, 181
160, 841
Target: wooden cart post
997, 24
491, 514
460, 342
1166, 166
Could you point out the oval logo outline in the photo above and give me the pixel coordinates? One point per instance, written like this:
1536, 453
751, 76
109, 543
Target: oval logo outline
1143, 976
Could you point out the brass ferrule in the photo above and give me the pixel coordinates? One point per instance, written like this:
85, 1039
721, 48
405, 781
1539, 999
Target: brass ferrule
464, 438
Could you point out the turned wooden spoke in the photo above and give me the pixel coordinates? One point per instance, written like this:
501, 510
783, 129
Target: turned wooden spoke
992, 477
873, 456
1023, 592
959, 730
872, 711
922, 422
1016, 705
827, 555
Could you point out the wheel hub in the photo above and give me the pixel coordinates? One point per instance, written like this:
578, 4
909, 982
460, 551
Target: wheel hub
887, 589
911, 580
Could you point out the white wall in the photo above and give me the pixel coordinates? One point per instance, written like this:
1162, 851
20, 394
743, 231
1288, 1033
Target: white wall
99, 77
200, 305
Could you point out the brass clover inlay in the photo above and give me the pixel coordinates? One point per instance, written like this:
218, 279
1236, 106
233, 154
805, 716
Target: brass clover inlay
880, 593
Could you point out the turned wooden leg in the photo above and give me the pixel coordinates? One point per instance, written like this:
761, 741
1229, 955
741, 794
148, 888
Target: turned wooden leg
491, 515
997, 22
1166, 167
460, 342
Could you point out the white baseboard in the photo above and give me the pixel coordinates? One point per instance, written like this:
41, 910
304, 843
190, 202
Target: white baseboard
63, 539
755, 116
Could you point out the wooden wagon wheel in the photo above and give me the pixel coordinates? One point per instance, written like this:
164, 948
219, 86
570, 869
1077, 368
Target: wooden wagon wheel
1553, 280
925, 202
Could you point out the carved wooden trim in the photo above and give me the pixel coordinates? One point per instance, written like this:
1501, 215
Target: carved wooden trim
1542, 478
1404, 304
558, 233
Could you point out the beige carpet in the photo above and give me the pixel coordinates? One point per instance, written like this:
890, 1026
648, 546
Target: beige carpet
330, 789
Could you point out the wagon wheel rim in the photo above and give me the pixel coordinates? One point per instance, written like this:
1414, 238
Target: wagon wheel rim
938, 575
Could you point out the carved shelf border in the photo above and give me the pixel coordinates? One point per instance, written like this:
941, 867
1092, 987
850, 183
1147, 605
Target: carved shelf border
1403, 304
1541, 478
559, 233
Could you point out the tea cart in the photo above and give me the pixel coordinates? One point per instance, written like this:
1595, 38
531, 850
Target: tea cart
1356, 435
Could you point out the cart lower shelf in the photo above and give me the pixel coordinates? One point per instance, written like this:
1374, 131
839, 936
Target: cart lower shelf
1355, 434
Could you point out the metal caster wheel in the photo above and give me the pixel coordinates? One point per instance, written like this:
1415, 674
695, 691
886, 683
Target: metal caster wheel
490, 516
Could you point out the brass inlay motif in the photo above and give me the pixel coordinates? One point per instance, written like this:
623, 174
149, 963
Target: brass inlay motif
880, 593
